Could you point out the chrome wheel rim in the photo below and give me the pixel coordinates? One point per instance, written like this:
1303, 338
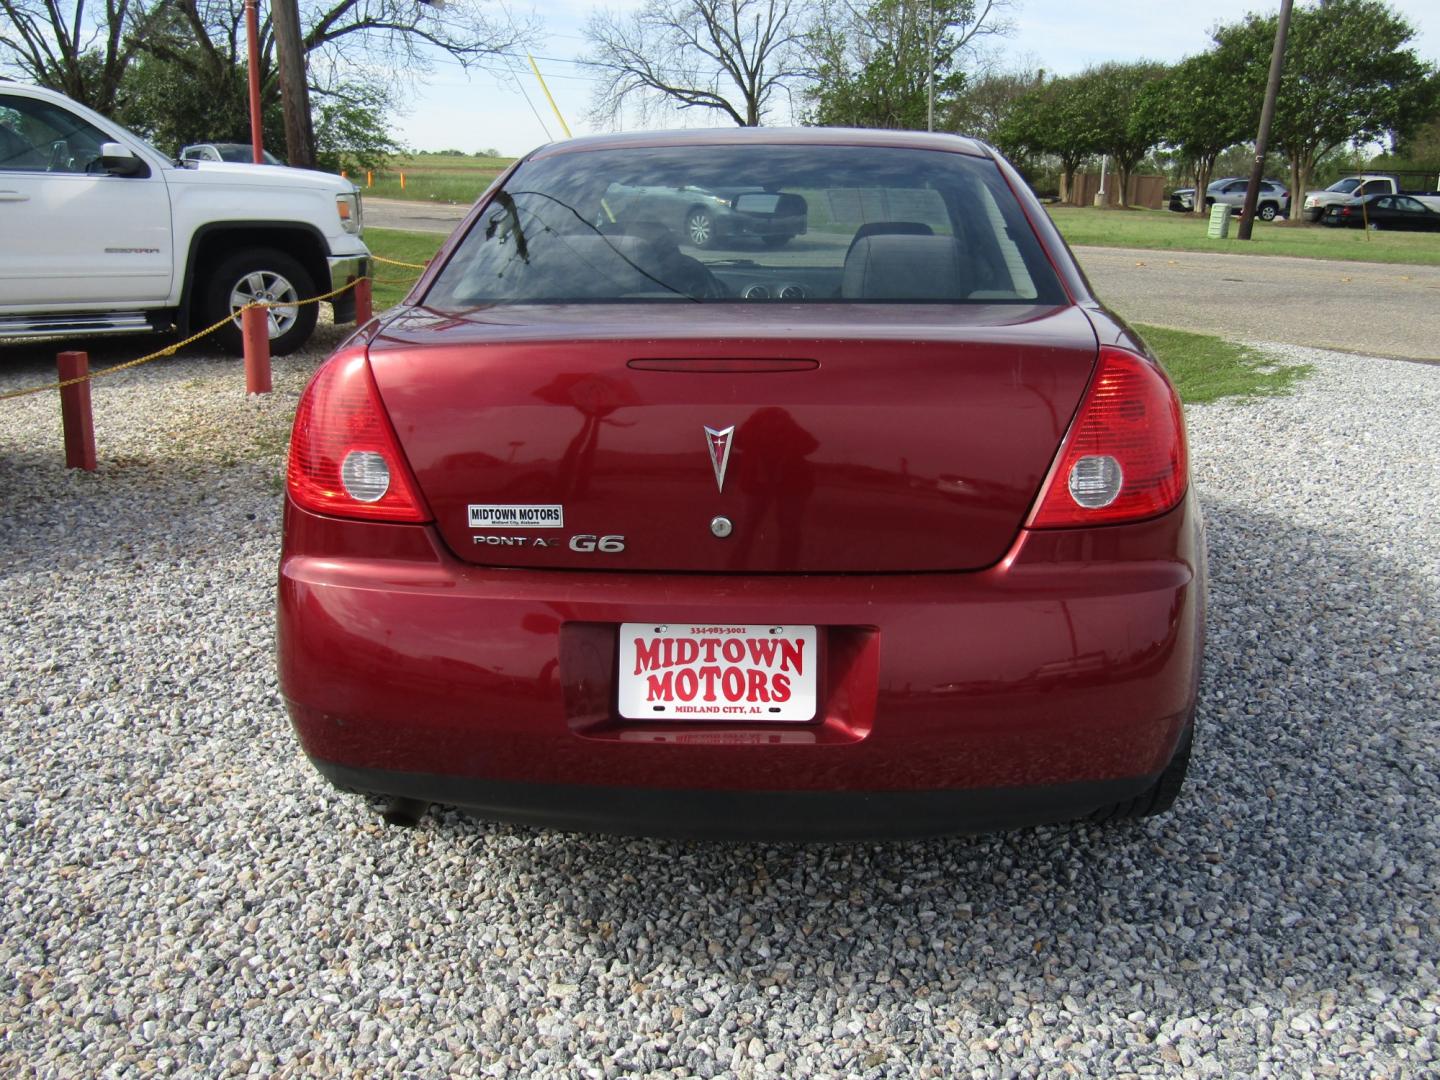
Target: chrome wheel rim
699, 229
267, 287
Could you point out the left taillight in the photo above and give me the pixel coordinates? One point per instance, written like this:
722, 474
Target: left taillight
344, 457
1124, 457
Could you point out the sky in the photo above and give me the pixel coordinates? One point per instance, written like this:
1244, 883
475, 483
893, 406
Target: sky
502, 106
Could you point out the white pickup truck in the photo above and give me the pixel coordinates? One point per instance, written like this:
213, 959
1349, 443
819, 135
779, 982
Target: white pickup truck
1358, 186
100, 233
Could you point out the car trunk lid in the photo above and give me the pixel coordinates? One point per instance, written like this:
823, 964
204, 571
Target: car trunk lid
883, 438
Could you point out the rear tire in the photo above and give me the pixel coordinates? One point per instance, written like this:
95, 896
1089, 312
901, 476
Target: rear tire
1268, 212
260, 273
776, 241
1159, 796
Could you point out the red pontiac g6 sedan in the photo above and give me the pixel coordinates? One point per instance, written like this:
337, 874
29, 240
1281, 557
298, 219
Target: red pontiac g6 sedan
885, 532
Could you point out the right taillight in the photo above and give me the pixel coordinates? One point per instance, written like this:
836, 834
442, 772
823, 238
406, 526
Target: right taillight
344, 457
1124, 456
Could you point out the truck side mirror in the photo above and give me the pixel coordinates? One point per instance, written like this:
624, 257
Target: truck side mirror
119, 160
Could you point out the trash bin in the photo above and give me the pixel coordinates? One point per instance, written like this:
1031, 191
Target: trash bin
1219, 222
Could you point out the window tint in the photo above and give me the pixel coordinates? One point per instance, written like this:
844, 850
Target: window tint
1409, 205
750, 223
36, 136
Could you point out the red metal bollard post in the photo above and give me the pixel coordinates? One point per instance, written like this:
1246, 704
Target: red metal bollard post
364, 302
255, 328
75, 415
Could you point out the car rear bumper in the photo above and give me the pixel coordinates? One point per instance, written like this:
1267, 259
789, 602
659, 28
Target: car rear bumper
1052, 684
745, 815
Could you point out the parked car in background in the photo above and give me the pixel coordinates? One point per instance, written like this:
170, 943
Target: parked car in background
1391, 212
1273, 201
240, 153
705, 217
1358, 187
610, 532
103, 234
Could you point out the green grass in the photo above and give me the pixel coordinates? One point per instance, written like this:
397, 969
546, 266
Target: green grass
393, 282
1166, 231
432, 178
1205, 368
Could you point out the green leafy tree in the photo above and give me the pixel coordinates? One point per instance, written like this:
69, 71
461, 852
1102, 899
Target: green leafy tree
985, 101
189, 84
1118, 105
874, 64
1418, 151
1050, 120
350, 129
1350, 77
1206, 104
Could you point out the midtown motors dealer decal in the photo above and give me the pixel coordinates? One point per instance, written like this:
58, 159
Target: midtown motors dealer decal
516, 516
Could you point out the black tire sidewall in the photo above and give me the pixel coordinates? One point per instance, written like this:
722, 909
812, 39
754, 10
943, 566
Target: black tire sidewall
215, 304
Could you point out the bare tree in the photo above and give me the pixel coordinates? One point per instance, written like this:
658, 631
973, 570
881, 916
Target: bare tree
82, 53
404, 33
729, 56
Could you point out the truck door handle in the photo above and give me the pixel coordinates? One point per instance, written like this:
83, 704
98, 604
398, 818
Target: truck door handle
13, 196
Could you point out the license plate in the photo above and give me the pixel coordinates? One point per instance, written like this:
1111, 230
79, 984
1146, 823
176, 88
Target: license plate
741, 674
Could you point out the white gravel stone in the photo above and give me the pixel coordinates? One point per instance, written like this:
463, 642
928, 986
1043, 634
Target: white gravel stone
183, 895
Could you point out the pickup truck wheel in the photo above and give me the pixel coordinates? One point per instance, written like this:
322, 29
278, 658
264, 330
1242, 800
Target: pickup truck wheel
269, 276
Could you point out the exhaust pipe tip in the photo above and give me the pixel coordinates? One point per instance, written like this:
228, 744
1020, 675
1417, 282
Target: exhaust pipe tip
403, 813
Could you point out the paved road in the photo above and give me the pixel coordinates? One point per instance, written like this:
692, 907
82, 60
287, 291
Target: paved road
1380, 310
413, 216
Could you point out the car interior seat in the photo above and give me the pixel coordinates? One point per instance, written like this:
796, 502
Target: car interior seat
889, 228
887, 266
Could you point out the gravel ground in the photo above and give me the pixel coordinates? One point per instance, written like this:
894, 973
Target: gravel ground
183, 895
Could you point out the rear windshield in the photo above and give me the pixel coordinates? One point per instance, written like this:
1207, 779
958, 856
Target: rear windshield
750, 224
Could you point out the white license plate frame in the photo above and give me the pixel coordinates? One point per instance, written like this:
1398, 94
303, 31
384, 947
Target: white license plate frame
775, 672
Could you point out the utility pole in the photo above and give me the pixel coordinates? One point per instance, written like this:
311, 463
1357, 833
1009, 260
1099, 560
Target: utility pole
294, 89
1262, 140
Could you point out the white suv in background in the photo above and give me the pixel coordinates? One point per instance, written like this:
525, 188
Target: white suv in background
1273, 201
104, 234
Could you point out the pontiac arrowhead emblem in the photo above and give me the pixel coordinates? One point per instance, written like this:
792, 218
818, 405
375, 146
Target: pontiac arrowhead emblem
719, 444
